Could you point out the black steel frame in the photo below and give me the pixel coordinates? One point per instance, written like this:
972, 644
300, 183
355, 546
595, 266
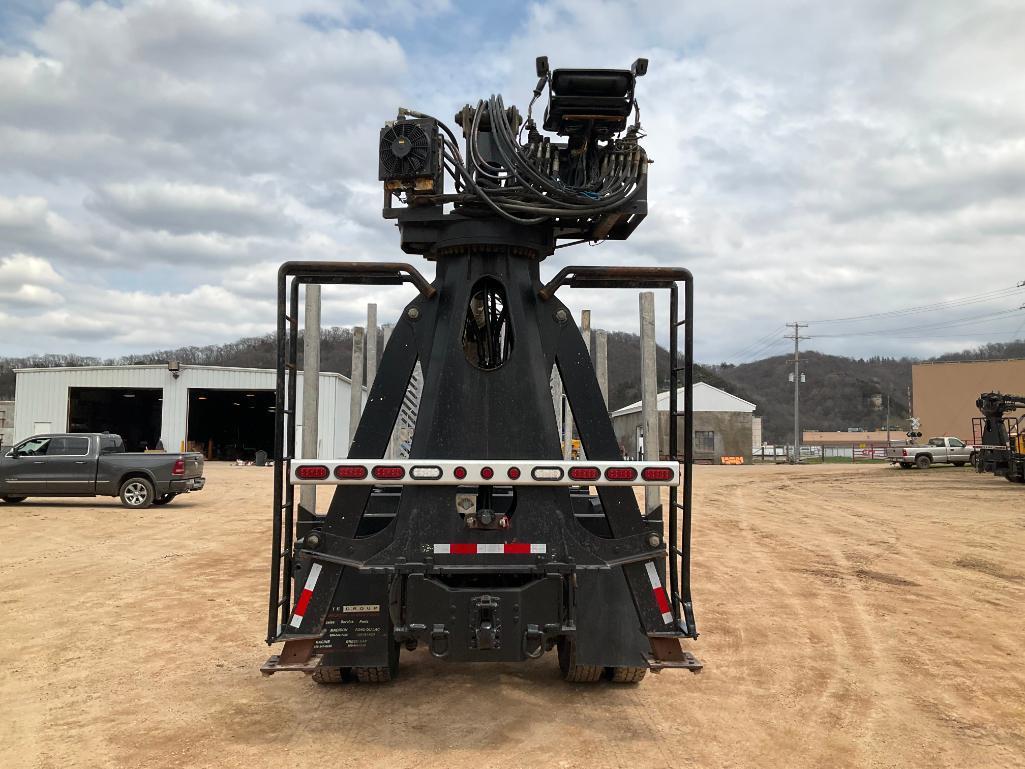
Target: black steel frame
680, 512
395, 273
374, 273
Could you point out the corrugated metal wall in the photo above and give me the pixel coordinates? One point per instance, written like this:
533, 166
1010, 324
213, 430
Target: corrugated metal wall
41, 397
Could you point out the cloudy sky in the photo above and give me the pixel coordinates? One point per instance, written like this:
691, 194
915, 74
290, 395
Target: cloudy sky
813, 161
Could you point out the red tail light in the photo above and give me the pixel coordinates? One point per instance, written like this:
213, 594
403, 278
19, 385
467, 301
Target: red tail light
903, 452
620, 474
179, 466
459, 472
657, 474
388, 472
350, 472
513, 473
584, 473
487, 473
311, 472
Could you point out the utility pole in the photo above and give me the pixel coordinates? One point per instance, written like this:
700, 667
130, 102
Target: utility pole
797, 386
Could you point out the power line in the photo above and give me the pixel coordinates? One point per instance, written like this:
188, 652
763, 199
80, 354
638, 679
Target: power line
932, 326
986, 296
744, 352
760, 351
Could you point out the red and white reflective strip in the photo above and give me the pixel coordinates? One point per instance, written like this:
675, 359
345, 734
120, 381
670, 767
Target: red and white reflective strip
305, 596
660, 593
481, 548
527, 472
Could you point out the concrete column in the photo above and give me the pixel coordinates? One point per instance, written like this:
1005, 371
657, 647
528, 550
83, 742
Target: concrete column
649, 392
567, 429
556, 383
393, 441
356, 393
311, 390
371, 344
585, 329
601, 363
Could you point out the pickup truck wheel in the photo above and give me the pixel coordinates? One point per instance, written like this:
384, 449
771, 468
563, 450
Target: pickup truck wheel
163, 499
922, 462
13, 500
137, 493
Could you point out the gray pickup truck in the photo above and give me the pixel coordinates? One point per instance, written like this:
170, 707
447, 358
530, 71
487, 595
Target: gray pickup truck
946, 450
95, 464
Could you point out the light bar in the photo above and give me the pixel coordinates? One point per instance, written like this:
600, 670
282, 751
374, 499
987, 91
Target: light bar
471, 472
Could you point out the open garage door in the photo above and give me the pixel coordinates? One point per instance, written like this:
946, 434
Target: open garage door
231, 424
132, 413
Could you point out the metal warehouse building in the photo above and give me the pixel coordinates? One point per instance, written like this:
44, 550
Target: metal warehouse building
225, 413
723, 426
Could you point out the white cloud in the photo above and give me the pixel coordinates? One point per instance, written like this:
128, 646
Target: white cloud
165, 156
25, 281
187, 208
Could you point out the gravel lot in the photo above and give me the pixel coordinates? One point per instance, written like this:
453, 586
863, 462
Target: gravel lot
851, 616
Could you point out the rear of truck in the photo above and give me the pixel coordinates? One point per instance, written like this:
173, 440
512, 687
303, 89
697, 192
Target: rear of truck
144, 479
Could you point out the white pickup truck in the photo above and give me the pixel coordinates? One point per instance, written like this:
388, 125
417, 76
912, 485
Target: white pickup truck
947, 451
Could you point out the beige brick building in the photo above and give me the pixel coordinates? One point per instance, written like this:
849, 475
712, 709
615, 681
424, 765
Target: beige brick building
944, 394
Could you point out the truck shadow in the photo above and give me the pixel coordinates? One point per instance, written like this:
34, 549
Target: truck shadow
65, 503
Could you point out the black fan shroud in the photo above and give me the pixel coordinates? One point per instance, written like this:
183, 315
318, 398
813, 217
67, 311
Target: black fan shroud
405, 151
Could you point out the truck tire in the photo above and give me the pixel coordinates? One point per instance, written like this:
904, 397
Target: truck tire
329, 675
137, 493
13, 500
627, 675
380, 674
163, 499
922, 461
571, 671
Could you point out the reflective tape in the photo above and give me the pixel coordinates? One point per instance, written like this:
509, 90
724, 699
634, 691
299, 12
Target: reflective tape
305, 596
660, 593
485, 548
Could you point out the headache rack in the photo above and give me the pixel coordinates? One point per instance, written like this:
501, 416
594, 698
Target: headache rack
294, 274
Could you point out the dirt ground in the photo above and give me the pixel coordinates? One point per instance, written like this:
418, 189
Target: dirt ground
850, 617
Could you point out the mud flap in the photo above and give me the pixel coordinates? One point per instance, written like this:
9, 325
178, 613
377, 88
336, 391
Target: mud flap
357, 625
608, 633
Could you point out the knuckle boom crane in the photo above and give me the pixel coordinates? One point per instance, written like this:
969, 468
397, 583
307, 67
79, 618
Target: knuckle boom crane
486, 544
1002, 449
